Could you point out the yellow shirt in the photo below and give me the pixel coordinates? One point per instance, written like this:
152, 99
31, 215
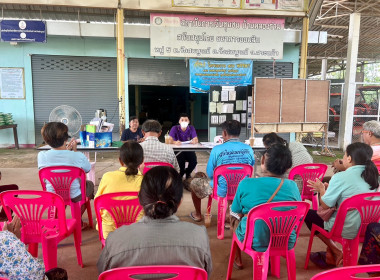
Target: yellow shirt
117, 181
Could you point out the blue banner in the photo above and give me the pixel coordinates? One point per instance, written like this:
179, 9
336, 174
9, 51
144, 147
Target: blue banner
204, 73
23, 31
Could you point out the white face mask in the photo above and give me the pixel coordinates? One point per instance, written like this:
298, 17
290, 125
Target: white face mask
184, 124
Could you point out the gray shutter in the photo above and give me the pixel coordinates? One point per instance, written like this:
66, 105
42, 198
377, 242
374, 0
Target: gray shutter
265, 69
157, 72
85, 83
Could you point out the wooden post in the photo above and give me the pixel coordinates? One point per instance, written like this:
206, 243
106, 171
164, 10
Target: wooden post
305, 34
120, 66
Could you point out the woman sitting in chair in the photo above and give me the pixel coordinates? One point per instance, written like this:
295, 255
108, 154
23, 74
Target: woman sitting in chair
64, 153
127, 179
255, 191
360, 176
159, 238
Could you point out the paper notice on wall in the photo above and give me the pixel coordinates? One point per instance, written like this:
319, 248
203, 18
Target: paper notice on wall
249, 110
222, 118
243, 117
232, 95
225, 108
214, 120
224, 95
219, 107
215, 96
212, 107
236, 117
239, 105
228, 88
244, 105
230, 109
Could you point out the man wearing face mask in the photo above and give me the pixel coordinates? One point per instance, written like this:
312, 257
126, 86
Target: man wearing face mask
183, 133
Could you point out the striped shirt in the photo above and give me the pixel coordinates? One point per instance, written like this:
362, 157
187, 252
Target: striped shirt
155, 151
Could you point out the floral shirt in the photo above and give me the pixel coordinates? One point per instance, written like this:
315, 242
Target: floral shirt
16, 262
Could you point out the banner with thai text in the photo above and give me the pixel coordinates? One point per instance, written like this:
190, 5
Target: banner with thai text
175, 35
204, 73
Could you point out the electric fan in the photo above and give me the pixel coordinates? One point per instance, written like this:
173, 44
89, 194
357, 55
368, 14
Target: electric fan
67, 115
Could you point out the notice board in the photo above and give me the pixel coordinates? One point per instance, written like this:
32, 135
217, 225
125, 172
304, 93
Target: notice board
228, 103
290, 105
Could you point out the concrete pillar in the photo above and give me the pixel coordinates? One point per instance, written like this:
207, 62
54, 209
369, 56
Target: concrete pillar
347, 111
324, 69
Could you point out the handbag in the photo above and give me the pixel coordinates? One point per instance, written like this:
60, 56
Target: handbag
325, 214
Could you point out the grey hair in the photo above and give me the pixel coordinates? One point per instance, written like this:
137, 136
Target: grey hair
151, 126
373, 126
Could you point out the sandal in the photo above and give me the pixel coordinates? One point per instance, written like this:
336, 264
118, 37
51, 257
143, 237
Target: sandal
319, 259
195, 219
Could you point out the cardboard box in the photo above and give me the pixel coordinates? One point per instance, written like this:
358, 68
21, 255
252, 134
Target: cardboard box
103, 139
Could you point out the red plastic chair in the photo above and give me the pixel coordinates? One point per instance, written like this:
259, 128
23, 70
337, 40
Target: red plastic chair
178, 272
310, 171
369, 210
3, 188
349, 272
37, 227
61, 178
281, 224
123, 211
149, 165
377, 163
233, 174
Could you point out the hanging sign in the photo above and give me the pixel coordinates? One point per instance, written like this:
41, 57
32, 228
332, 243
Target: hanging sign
284, 5
204, 73
23, 31
176, 35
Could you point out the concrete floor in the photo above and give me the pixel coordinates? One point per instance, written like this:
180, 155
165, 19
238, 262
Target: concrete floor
27, 178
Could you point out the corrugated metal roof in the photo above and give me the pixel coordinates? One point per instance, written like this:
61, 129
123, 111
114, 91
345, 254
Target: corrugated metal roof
334, 17
70, 13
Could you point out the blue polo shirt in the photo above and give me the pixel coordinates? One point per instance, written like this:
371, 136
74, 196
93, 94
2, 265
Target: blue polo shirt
232, 151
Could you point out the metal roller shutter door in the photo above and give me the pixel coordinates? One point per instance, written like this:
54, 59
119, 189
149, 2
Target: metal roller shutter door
85, 83
158, 72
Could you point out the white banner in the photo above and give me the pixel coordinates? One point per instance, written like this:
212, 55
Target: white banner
216, 37
284, 5
234, 4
